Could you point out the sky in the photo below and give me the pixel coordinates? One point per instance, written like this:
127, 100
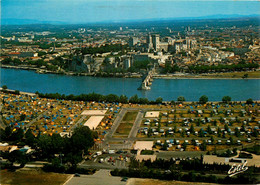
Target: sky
86, 11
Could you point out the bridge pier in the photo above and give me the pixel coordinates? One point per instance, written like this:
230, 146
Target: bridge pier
147, 82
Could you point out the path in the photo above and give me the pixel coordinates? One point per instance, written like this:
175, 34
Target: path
34, 120
101, 177
2, 125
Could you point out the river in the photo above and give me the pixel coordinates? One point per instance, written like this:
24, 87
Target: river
168, 89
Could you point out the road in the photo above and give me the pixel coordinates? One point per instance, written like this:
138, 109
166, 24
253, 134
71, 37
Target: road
34, 120
136, 125
183, 127
2, 125
212, 118
116, 123
78, 122
101, 177
183, 154
127, 143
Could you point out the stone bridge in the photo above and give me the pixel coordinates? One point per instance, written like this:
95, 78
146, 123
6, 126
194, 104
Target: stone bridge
147, 81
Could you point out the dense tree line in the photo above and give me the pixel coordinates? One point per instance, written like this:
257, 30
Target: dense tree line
104, 49
184, 165
53, 148
52, 65
221, 68
9, 61
171, 69
112, 98
170, 170
244, 178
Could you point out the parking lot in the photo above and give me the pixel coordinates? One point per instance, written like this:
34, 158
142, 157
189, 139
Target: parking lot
108, 161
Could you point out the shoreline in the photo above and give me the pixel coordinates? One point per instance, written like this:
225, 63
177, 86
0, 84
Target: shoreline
155, 76
11, 91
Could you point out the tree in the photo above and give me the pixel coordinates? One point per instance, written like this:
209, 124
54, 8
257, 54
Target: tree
73, 159
183, 133
22, 117
8, 132
4, 87
192, 130
184, 145
165, 145
219, 132
123, 99
203, 99
245, 76
226, 127
226, 99
249, 101
149, 132
112, 98
143, 101
17, 156
237, 132
212, 139
201, 133
231, 140
44, 146
209, 129
82, 139
134, 99
181, 99
203, 146
17, 135
17, 92
58, 144
29, 138
159, 100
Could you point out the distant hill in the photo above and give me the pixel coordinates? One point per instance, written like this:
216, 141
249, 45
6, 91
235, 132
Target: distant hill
32, 21
27, 21
218, 16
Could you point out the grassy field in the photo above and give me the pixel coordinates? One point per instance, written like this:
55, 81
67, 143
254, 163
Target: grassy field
139, 181
126, 125
130, 116
32, 177
124, 128
251, 74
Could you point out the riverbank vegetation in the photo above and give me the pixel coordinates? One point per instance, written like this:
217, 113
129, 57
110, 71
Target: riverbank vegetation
112, 98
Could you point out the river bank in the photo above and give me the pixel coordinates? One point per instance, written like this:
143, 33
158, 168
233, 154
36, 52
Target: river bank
70, 73
223, 75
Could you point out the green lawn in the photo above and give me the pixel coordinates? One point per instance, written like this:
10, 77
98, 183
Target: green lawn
124, 128
130, 116
126, 125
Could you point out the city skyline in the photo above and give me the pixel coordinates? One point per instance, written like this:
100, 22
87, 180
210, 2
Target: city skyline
81, 11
